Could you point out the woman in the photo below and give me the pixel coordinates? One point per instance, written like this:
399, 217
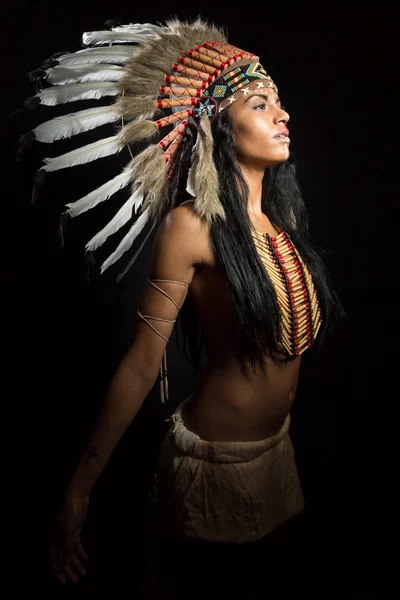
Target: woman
239, 255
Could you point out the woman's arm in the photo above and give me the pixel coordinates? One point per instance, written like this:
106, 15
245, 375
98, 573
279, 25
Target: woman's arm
173, 258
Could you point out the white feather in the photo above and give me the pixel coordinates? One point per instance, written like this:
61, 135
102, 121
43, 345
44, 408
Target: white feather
107, 49
127, 241
190, 187
66, 126
190, 184
138, 28
101, 194
85, 154
139, 197
110, 54
90, 38
83, 74
138, 251
78, 91
120, 219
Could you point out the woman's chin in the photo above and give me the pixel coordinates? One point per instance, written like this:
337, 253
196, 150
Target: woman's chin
278, 160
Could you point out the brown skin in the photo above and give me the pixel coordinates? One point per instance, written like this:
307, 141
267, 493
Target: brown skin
226, 404
257, 117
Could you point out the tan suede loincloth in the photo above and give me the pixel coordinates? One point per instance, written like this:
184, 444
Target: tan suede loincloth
234, 492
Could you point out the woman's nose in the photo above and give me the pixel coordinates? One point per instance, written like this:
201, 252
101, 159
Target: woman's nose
284, 117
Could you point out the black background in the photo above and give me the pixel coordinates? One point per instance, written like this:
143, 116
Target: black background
63, 341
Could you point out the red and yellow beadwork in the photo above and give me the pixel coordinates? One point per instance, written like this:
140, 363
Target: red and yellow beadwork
297, 299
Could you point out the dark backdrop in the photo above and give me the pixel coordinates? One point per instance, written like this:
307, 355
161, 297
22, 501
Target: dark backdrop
65, 339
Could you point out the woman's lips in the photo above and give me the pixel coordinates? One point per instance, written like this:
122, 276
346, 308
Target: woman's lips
282, 138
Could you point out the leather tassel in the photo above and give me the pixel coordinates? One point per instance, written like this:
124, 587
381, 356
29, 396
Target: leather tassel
164, 379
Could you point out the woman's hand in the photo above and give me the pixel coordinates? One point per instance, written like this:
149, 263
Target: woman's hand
66, 550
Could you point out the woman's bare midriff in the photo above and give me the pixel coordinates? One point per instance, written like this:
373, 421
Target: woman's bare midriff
226, 406
229, 404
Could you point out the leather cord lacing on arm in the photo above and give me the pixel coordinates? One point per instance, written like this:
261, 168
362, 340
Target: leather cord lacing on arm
163, 369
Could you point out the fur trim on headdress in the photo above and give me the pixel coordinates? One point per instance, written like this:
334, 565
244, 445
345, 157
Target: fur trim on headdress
130, 107
137, 131
205, 176
148, 169
146, 72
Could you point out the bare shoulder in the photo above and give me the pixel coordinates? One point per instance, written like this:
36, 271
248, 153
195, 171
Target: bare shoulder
188, 229
188, 215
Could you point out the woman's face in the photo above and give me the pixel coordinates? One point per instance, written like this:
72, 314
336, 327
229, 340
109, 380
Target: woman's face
260, 132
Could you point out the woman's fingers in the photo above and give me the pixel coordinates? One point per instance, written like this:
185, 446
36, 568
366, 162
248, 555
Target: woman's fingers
68, 549
76, 564
70, 574
65, 559
55, 556
61, 577
52, 557
56, 565
80, 549
66, 552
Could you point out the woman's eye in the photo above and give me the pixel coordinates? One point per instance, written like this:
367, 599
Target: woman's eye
260, 105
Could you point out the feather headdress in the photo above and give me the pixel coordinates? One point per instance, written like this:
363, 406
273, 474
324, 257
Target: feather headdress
163, 79
158, 82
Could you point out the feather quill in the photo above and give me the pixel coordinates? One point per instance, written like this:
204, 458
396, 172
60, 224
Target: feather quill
139, 28
139, 197
78, 91
72, 124
127, 241
83, 74
119, 220
102, 193
138, 251
191, 178
110, 54
92, 38
84, 155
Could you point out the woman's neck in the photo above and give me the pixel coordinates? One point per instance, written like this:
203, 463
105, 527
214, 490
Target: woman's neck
254, 178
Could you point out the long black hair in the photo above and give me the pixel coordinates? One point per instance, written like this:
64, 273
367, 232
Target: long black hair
249, 288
